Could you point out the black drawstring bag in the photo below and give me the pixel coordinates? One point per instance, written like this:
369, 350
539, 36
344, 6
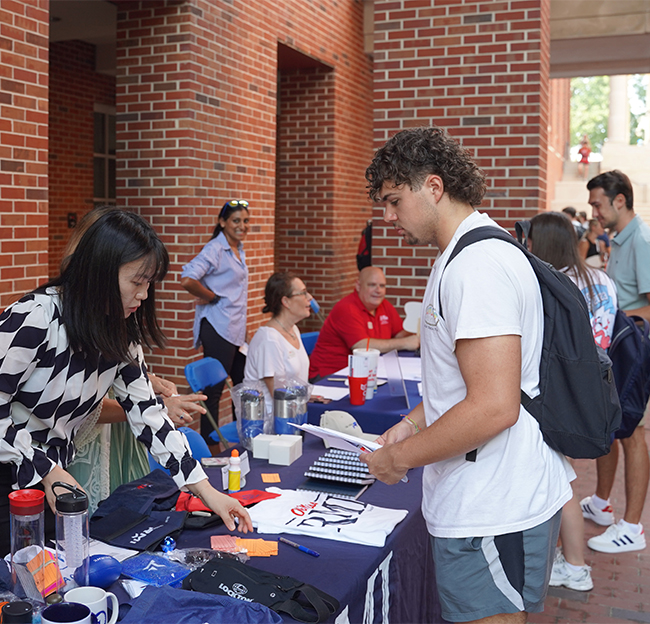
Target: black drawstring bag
283, 594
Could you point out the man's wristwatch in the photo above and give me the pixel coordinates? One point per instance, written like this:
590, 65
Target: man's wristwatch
215, 299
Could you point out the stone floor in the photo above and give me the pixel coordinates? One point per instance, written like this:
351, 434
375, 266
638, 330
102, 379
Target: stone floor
621, 590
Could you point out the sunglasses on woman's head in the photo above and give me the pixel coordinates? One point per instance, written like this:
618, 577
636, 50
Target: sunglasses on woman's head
234, 203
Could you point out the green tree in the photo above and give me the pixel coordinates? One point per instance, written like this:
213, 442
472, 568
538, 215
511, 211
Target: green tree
589, 110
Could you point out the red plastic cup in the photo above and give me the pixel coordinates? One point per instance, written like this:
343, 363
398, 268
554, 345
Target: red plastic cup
358, 387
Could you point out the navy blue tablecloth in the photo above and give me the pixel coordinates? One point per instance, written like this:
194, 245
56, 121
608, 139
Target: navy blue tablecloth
397, 580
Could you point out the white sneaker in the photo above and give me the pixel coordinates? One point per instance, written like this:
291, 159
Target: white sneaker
562, 575
591, 512
617, 540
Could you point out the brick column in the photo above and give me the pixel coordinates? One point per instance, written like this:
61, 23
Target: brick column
189, 138
481, 71
24, 28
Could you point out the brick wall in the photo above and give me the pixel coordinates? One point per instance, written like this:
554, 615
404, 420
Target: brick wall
24, 28
75, 88
481, 71
197, 101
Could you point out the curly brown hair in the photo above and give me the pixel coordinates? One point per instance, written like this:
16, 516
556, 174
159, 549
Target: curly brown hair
412, 155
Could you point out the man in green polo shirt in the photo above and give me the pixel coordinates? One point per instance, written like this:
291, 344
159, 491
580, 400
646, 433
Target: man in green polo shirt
612, 200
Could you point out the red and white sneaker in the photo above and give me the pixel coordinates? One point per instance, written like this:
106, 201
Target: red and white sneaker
604, 517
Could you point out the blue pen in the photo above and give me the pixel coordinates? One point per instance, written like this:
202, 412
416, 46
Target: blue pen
304, 549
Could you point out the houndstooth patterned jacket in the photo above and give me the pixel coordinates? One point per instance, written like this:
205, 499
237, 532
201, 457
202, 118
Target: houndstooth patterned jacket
47, 391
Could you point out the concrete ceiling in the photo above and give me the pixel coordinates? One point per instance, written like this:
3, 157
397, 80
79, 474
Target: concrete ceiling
600, 37
588, 37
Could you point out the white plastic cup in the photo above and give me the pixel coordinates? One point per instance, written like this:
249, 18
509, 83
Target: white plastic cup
372, 356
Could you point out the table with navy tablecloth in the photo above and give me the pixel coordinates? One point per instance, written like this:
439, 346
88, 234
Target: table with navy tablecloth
394, 583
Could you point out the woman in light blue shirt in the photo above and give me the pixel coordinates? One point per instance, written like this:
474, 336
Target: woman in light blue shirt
218, 277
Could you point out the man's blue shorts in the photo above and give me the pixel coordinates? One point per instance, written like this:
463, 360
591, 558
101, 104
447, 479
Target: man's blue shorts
478, 577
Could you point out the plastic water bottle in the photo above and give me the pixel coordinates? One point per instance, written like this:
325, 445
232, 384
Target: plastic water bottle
27, 534
72, 540
234, 472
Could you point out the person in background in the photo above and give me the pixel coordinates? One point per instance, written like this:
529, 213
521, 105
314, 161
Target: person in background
552, 238
65, 344
276, 350
218, 278
591, 247
362, 319
570, 212
612, 199
584, 153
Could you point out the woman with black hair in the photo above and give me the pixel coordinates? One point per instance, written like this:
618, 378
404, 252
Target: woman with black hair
218, 278
65, 344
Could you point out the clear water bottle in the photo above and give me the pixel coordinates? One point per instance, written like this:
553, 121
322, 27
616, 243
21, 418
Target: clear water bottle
72, 540
27, 534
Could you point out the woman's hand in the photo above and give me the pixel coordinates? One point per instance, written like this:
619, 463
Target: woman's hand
162, 386
57, 474
225, 506
181, 407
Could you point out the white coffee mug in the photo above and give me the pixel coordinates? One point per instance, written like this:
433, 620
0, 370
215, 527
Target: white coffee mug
66, 613
96, 599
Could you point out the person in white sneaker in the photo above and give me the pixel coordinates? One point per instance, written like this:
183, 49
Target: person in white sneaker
612, 199
552, 238
574, 577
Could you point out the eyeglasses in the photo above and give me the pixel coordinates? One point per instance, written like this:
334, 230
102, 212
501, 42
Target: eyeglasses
302, 293
234, 203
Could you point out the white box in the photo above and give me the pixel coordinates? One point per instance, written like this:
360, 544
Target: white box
261, 445
285, 450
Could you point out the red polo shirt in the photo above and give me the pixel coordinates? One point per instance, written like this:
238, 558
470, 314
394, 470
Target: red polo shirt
348, 322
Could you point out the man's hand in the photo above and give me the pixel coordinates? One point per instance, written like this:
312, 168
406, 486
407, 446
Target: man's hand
396, 433
225, 506
57, 474
384, 464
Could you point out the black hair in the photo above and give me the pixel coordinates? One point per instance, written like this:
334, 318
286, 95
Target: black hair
226, 211
278, 286
412, 155
570, 210
614, 183
554, 240
92, 308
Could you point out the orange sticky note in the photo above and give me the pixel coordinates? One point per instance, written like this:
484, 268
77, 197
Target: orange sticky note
270, 477
258, 547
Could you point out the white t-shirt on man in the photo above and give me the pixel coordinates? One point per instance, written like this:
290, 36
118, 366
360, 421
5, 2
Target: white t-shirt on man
517, 481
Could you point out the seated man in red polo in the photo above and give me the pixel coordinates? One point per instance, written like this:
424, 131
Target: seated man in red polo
364, 314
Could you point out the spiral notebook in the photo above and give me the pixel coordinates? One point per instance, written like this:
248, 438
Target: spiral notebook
339, 473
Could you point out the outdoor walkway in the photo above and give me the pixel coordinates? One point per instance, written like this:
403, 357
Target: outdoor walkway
621, 590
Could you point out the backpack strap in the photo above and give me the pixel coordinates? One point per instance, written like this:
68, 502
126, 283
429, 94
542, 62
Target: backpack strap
474, 236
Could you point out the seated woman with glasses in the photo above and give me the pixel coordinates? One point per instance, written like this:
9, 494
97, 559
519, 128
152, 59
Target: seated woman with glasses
218, 278
276, 350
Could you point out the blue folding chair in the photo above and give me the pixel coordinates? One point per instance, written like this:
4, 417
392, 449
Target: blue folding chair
309, 340
202, 374
198, 446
